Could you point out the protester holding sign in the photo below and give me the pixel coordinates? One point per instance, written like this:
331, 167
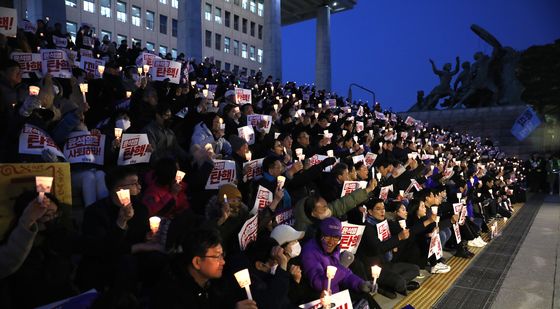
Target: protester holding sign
379, 240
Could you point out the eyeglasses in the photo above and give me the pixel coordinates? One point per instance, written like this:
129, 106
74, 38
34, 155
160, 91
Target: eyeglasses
332, 238
136, 184
221, 256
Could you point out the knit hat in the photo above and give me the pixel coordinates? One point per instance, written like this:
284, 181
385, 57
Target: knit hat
236, 142
331, 226
230, 190
284, 234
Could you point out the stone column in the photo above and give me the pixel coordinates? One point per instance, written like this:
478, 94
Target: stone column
189, 28
323, 51
272, 54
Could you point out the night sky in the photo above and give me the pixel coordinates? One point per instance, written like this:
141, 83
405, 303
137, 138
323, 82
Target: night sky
384, 45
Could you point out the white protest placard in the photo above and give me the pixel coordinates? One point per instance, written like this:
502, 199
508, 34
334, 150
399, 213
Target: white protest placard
383, 232
331, 103
385, 192
28, 63
380, 116
351, 186
242, 96
253, 169
28, 26
351, 237
416, 185
256, 120
55, 62
285, 217
393, 117
166, 69
222, 173
360, 113
32, 140
60, 42
360, 158
359, 126
410, 121
461, 210
86, 53
183, 112
458, 211
146, 58
90, 65
247, 133
263, 199
84, 147
8, 21
340, 300
435, 246
369, 159
248, 232
134, 149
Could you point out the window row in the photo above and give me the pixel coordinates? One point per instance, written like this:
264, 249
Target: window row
245, 23
136, 14
105, 5
256, 7
247, 51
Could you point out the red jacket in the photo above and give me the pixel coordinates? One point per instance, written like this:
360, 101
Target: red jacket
161, 202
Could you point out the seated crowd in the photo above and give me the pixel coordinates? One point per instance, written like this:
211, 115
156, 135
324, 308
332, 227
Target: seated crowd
419, 181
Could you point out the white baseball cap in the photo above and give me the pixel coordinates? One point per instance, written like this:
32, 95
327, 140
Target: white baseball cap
284, 234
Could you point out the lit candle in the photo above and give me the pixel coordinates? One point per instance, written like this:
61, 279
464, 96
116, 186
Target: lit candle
248, 155
331, 272
118, 132
281, 180
459, 195
101, 69
330, 153
179, 176
154, 224
43, 184
205, 92
145, 68
378, 176
34, 90
275, 107
124, 196
193, 82
128, 94
375, 272
139, 70
244, 281
225, 199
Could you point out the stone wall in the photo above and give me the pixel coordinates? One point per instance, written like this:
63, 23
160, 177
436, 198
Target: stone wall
494, 123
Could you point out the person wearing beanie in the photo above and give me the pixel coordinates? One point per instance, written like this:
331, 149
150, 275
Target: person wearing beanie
323, 251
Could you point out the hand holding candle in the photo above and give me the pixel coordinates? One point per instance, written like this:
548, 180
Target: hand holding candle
331, 272
281, 180
179, 176
124, 196
34, 90
118, 133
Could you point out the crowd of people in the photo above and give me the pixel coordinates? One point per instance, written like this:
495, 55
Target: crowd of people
311, 143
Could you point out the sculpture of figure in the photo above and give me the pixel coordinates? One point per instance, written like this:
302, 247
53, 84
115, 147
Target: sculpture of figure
481, 79
444, 88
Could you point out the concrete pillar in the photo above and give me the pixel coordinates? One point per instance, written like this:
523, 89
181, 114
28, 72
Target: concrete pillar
272, 54
189, 28
323, 51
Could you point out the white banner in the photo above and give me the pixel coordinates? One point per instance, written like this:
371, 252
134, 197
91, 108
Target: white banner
242, 96
222, 173
8, 21
247, 133
380, 116
351, 186
356, 159
84, 147
166, 69
60, 41
28, 63
134, 149
340, 300
383, 232
253, 169
351, 237
255, 120
263, 199
248, 232
90, 66
32, 140
385, 192
146, 58
410, 121
331, 103
55, 62
370, 159
435, 246
285, 217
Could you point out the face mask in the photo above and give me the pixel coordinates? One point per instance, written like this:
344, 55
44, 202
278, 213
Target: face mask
295, 250
123, 124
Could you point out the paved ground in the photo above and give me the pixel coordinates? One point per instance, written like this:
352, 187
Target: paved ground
533, 280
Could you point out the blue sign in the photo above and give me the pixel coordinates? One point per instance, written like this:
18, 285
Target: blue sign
525, 124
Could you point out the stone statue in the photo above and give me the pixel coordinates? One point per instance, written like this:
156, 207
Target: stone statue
490, 80
444, 88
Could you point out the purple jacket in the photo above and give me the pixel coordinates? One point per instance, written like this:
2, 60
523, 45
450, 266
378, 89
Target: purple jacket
315, 261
